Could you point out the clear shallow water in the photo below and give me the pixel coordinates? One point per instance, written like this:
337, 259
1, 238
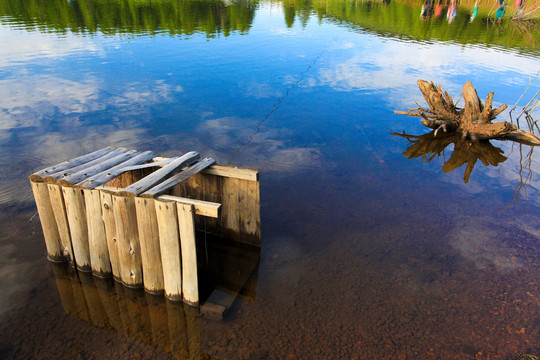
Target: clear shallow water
365, 254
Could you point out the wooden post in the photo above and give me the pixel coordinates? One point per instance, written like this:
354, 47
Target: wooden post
97, 241
48, 222
129, 250
149, 241
186, 225
59, 210
169, 242
110, 232
78, 228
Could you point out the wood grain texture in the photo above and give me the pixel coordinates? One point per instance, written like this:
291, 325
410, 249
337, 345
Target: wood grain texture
149, 241
78, 228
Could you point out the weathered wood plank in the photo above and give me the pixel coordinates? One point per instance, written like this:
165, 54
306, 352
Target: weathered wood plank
48, 221
59, 210
149, 241
149, 165
78, 228
84, 174
73, 162
233, 172
230, 221
129, 250
190, 287
218, 304
249, 212
225, 171
181, 176
109, 174
152, 179
66, 172
110, 232
204, 208
97, 239
169, 242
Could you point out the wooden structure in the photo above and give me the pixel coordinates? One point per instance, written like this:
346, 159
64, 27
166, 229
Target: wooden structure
131, 215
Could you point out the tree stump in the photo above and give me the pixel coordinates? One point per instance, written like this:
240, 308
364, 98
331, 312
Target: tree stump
474, 122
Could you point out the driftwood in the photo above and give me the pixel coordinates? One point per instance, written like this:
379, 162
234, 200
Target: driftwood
474, 122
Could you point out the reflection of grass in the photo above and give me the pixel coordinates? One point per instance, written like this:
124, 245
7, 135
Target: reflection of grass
398, 18
401, 18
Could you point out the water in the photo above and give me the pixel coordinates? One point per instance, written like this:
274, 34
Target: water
365, 254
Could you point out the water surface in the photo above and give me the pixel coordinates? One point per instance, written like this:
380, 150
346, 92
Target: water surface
365, 254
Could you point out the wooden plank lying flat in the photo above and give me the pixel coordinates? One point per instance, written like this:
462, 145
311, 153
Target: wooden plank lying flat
181, 176
109, 174
152, 179
74, 162
204, 208
66, 172
97, 168
218, 304
224, 170
152, 164
233, 172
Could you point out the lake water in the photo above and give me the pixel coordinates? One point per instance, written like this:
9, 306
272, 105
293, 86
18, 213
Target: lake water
365, 254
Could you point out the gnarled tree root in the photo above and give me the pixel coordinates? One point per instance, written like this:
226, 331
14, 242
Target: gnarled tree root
473, 122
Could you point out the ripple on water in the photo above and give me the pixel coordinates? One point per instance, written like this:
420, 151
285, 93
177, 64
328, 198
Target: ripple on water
14, 185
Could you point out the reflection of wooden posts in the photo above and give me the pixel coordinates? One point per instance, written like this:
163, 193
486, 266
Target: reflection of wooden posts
63, 283
76, 216
79, 300
159, 323
193, 326
96, 310
105, 291
48, 222
177, 330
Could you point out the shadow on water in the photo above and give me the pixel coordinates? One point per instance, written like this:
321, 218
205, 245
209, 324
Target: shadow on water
230, 272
